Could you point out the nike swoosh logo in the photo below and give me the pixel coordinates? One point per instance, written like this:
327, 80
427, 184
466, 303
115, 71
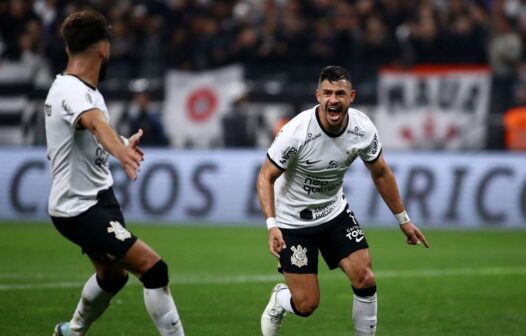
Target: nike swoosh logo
359, 239
312, 162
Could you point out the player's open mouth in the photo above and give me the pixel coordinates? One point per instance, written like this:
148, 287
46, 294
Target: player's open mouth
334, 112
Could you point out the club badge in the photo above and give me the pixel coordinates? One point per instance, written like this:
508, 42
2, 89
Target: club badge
120, 232
299, 257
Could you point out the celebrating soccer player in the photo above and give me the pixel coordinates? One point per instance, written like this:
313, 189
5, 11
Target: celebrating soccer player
82, 204
300, 188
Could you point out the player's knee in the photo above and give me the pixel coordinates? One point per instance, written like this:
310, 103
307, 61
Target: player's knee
364, 279
112, 285
156, 276
304, 308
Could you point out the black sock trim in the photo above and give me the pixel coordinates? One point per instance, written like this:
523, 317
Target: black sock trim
156, 276
296, 311
364, 292
112, 286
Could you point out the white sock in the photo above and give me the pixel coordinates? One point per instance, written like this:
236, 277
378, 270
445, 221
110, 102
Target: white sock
364, 315
93, 302
283, 297
162, 310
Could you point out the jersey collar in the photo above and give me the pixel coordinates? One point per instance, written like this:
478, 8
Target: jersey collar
316, 110
80, 79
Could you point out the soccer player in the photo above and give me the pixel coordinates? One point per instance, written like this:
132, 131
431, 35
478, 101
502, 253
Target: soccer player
301, 196
82, 204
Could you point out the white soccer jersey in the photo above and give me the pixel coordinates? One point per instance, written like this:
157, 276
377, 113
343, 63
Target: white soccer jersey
310, 191
79, 164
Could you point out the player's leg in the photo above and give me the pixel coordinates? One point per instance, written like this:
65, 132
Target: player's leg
97, 232
344, 245
152, 271
357, 266
301, 295
95, 296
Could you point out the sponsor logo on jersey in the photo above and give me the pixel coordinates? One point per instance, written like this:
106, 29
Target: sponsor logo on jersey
308, 162
325, 210
374, 145
299, 257
88, 98
356, 131
66, 108
47, 110
101, 157
120, 232
315, 185
311, 137
287, 154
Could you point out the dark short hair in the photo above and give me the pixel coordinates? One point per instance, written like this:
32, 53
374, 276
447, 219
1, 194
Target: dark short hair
334, 73
82, 29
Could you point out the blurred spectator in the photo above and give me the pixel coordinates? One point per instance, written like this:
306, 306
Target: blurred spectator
152, 49
505, 50
464, 41
515, 125
149, 120
380, 49
426, 38
13, 23
122, 51
237, 131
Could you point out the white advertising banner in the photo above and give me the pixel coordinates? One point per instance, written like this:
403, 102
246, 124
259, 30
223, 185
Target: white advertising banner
433, 107
195, 104
218, 187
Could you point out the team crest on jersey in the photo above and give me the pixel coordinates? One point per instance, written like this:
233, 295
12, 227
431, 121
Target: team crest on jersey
356, 131
352, 155
299, 257
120, 232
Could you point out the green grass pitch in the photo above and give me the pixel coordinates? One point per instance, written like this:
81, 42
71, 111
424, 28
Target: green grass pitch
467, 283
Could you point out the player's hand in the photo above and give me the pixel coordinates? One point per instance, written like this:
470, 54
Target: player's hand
275, 241
130, 161
134, 143
413, 234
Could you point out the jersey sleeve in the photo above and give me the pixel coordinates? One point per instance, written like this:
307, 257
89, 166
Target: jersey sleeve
284, 149
76, 101
372, 152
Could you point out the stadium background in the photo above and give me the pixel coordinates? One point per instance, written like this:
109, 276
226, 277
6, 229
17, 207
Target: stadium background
212, 81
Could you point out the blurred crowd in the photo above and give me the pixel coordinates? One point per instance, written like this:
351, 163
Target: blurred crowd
277, 37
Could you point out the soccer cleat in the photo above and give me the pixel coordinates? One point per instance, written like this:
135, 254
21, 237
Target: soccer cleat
62, 329
273, 314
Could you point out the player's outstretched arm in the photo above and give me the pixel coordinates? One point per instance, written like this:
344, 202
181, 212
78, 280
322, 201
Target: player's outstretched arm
265, 186
94, 121
385, 183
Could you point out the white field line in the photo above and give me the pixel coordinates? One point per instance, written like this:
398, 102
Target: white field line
204, 279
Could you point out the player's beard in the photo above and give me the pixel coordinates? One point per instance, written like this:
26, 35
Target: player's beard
102, 70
